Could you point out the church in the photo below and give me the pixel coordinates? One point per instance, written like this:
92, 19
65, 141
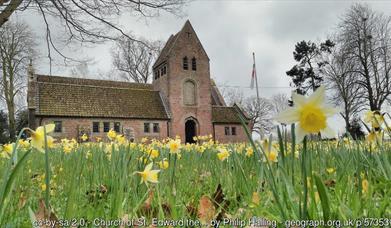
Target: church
182, 100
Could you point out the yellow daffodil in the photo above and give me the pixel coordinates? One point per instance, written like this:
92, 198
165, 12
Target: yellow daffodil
364, 185
84, 137
223, 154
310, 114
249, 151
98, 139
271, 153
375, 118
38, 137
7, 150
112, 134
174, 146
149, 175
121, 139
43, 187
24, 143
163, 164
330, 170
153, 153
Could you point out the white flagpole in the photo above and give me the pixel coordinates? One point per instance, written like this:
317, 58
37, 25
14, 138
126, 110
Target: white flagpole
256, 79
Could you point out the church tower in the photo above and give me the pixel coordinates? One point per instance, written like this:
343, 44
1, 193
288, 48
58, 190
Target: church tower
182, 76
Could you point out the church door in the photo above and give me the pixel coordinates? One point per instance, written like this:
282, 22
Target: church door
190, 130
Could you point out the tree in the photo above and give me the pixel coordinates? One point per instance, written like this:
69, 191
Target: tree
134, 60
22, 119
260, 114
305, 75
365, 35
233, 96
16, 48
341, 76
87, 21
280, 102
3, 127
355, 129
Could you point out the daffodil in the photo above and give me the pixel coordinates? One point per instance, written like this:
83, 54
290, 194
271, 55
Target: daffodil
330, 170
271, 153
7, 150
174, 146
112, 134
223, 154
84, 137
249, 151
310, 114
364, 185
38, 137
375, 118
153, 153
163, 164
149, 175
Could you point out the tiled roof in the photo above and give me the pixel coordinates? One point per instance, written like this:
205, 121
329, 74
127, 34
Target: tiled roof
61, 96
224, 114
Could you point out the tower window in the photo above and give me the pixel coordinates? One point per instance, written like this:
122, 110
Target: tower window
227, 131
193, 64
156, 128
233, 130
185, 63
164, 70
146, 127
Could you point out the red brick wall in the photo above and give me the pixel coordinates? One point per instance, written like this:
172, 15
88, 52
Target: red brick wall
202, 111
70, 126
222, 138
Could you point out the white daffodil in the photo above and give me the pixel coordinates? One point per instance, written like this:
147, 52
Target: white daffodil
310, 114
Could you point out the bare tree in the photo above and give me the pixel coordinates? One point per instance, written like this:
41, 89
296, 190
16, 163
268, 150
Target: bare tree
134, 60
365, 36
87, 21
261, 115
16, 48
233, 96
280, 102
341, 78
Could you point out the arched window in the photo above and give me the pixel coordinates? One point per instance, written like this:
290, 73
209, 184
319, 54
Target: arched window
185, 63
189, 93
193, 64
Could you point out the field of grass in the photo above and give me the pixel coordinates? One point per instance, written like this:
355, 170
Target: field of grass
207, 181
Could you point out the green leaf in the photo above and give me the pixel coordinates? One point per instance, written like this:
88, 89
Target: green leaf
323, 197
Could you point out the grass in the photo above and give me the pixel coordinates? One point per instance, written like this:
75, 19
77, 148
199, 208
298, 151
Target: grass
99, 180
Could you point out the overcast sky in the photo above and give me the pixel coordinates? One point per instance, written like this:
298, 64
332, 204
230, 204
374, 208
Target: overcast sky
230, 31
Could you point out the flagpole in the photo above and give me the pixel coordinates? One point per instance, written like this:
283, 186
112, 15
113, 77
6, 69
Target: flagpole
256, 80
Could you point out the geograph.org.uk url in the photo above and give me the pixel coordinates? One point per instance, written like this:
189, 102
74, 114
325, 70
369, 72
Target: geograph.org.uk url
362, 222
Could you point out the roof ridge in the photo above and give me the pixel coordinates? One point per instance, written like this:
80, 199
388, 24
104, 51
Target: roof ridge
96, 86
88, 79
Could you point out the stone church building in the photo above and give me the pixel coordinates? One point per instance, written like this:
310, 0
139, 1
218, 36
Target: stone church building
182, 100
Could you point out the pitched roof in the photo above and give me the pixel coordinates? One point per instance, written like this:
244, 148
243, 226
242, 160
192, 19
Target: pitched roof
73, 97
224, 114
165, 52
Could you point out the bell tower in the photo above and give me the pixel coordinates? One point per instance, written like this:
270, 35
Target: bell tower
181, 74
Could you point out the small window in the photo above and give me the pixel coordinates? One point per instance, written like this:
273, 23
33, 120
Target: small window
155, 75
95, 127
164, 70
193, 64
233, 131
156, 128
146, 127
57, 126
117, 126
106, 126
226, 130
185, 63
158, 73
161, 71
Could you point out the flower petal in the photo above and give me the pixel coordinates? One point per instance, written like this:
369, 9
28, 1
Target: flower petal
317, 97
288, 116
299, 133
329, 111
148, 167
49, 128
298, 100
